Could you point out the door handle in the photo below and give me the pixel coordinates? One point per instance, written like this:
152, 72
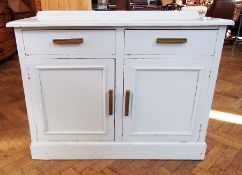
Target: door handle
126, 104
68, 41
110, 102
171, 40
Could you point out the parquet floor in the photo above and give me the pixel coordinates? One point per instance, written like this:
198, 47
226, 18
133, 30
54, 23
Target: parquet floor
224, 154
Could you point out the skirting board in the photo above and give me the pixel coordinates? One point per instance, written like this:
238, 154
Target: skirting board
184, 151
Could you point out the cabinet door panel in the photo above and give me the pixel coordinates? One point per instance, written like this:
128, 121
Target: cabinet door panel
166, 99
71, 99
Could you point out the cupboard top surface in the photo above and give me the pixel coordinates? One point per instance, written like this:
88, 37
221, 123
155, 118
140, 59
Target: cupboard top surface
118, 19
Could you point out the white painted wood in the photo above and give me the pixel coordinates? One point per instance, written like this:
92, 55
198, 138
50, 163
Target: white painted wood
176, 57
120, 15
143, 42
119, 85
118, 19
70, 56
66, 87
158, 87
93, 43
70, 98
212, 82
26, 84
122, 150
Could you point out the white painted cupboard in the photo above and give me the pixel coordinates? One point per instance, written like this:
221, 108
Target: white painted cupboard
108, 90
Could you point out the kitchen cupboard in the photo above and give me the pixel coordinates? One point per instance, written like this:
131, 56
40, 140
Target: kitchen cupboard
117, 89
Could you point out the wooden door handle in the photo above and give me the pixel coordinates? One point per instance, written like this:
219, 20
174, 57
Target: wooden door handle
68, 41
126, 104
110, 102
171, 40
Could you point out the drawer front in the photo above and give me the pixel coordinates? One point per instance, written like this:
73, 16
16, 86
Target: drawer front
86, 43
170, 42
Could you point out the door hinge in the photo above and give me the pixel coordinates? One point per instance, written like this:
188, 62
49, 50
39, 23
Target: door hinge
210, 72
199, 132
200, 128
28, 74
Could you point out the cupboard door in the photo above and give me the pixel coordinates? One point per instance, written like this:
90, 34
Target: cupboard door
71, 98
163, 99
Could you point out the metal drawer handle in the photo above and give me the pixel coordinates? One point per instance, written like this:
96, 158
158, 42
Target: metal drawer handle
171, 40
68, 41
127, 101
110, 102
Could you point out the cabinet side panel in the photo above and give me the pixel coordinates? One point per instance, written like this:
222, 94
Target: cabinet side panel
26, 83
212, 80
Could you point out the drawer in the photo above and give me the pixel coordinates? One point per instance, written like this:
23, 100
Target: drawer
170, 42
86, 43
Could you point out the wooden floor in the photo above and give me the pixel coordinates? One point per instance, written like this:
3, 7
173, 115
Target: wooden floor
224, 154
